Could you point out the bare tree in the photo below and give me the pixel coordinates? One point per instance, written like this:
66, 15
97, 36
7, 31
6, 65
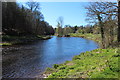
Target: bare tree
118, 21
37, 15
100, 12
33, 6
59, 26
60, 21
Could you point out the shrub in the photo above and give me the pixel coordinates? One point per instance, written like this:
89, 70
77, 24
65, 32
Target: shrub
55, 66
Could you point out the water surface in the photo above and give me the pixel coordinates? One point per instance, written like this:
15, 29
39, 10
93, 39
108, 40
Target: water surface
28, 61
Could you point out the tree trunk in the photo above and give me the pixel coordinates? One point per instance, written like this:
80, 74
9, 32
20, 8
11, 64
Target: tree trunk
102, 30
118, 21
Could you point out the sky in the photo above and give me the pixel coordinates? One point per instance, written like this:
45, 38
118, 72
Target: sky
73, 13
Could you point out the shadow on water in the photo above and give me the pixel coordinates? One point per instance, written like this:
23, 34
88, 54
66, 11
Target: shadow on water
28, 61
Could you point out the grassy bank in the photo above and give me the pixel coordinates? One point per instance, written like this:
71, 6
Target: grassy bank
99, 63
95, 37
12, 40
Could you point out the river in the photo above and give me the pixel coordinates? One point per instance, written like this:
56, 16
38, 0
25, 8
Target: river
30, 60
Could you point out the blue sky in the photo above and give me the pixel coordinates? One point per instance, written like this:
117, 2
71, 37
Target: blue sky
73, 13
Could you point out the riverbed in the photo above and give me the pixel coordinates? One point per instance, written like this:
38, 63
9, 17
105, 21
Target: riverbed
30, 60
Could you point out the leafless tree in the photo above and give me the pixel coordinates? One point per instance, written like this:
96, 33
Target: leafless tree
60, 21
33, 6
59, 29
118, 21
100, 12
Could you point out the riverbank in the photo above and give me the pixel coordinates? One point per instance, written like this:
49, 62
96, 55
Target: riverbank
14, 40
90, 36
95, 37
99, 63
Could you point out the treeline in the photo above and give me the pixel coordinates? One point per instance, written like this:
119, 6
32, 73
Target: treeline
95, 29
105, 19
21, 20
73, 29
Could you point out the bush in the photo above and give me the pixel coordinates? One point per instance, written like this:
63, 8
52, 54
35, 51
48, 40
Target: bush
55, 66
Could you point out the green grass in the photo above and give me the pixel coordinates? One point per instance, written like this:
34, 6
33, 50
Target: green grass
95, 37
99, 63
5, 44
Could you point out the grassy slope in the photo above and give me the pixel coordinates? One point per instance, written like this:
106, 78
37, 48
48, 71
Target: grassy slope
95, 37
99, 63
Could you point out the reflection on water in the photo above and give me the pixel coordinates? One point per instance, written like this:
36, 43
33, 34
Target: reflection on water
28, 61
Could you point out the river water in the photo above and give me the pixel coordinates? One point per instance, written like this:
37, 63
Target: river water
29, 61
